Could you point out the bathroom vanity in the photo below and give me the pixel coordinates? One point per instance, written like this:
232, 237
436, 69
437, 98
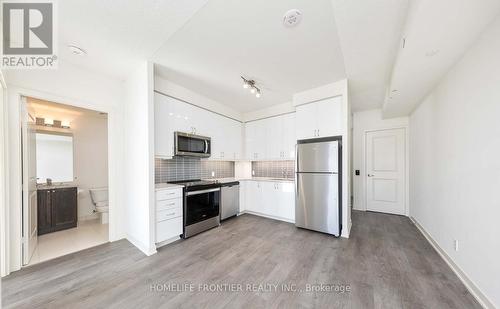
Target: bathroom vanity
57, 208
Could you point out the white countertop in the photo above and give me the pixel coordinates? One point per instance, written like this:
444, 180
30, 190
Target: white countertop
42, 186
231, 179
164, 185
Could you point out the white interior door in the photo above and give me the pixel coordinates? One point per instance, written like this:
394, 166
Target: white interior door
386, 171
30, 224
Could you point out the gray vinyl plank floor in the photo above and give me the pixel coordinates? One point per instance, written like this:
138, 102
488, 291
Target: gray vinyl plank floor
251, 262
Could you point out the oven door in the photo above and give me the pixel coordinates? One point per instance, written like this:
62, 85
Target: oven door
201, 205
192, 145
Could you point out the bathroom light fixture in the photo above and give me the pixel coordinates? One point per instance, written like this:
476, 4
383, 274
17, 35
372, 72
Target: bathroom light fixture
249, 83
65, 124
48, 121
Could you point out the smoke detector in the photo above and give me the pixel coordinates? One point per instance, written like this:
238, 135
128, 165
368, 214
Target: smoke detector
292, 18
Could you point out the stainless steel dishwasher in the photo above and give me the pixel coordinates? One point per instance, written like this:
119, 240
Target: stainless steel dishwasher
230, 200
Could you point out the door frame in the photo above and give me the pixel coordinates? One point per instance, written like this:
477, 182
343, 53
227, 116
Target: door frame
14, 217
407, 165
4, 179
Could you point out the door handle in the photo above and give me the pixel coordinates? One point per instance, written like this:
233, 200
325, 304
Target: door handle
370, 175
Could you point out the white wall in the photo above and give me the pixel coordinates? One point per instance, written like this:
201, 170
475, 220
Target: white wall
90, 144
455, 165
69, 84
364, 121
139, 150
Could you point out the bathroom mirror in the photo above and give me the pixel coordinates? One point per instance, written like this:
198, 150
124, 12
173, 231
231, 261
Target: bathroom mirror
54, 157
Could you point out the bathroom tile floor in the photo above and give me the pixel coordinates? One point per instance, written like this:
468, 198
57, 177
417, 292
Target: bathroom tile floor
87, 234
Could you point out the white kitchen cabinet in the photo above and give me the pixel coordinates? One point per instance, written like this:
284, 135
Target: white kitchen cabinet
173, 115
286, 200
319, 119
168, 214
288, 136
271, 138
255, 140
226, 138
164, 129
254, 198
271, 199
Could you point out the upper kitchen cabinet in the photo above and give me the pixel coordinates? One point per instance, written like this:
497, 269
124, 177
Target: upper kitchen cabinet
255, 140
226, 137
319, 119
173, 115
271, 138
164, 126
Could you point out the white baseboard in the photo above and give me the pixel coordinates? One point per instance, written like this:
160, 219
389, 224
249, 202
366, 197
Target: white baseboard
145, 249
266, 216
471, 286
88, 217
168, 241
346, 232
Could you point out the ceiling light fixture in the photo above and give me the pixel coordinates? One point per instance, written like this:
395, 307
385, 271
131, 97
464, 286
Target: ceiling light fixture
249, 83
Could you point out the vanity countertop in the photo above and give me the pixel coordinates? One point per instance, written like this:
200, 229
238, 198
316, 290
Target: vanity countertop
54, 186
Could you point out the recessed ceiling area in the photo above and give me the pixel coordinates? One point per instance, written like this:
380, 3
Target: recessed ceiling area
228, 39
52, 110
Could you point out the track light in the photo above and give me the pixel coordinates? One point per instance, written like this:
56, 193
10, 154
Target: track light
248, 83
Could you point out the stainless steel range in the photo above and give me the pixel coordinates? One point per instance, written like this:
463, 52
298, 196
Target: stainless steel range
201, 205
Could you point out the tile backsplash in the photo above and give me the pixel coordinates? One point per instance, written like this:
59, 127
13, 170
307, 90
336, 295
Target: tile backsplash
275, 169
184, 168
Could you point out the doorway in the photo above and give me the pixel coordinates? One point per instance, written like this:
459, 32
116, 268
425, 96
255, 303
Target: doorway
385, 179
65, 179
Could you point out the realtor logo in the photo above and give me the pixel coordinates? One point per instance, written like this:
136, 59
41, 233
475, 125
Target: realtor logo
28, 34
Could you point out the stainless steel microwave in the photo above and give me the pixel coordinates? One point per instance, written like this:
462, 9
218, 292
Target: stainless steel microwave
192, 145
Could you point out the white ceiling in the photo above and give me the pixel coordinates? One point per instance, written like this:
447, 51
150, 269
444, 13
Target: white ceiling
206, 45
226, 39
437, 34
369, 33
118, 34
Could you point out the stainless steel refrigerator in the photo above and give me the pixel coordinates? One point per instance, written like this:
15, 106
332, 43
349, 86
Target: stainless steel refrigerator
318, 192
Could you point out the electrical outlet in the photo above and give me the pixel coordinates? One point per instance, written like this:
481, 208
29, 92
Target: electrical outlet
455, 243
213, 174
253, 173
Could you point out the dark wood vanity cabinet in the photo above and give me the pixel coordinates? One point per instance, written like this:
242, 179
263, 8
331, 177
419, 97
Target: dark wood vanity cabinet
57, 209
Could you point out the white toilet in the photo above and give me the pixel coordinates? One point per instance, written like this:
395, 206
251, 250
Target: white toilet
99, 198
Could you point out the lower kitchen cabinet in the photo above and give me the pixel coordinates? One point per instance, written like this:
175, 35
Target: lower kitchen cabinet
168, 214
57, 209
270, 199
